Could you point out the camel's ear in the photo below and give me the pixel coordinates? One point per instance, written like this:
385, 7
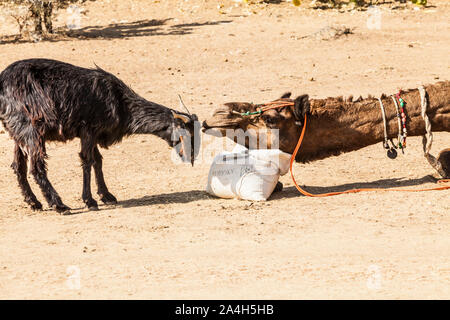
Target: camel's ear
301, 107
286, 95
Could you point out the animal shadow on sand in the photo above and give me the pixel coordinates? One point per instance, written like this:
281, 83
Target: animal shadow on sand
163, 198
166, 198
141, 28
393, 183
289, 192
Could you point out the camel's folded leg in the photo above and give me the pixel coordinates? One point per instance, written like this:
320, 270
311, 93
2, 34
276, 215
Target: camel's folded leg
444, 160
441, 164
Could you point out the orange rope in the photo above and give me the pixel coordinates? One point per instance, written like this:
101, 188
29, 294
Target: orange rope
299, 143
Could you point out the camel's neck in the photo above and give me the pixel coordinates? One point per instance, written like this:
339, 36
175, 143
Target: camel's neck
336, 126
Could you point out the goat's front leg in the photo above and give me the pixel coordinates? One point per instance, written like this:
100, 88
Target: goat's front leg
39, 171
87, 160
105, 196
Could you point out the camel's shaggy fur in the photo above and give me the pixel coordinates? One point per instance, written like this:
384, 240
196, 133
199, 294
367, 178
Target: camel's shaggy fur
337, 125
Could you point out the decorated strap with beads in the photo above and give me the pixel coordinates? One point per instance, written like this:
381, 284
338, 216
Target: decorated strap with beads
401, 116
404, 132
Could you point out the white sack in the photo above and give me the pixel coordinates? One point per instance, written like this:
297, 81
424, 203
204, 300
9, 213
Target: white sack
247, 174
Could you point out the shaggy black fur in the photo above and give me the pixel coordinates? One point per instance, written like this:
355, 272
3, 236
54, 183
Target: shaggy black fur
46, 100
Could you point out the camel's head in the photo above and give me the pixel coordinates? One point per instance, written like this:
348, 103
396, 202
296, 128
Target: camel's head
230, 121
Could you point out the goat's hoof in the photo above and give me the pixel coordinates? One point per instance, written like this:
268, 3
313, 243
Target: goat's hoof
92, 205
108, 199
278, 187
35, 206
61, 209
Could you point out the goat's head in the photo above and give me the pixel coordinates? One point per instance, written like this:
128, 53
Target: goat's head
287, 120
186, 134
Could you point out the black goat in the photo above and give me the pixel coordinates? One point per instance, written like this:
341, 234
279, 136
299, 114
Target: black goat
46, 100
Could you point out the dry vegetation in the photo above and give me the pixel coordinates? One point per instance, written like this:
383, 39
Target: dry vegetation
34, 18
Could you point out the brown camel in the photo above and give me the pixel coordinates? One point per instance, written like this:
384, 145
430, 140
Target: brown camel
337, 125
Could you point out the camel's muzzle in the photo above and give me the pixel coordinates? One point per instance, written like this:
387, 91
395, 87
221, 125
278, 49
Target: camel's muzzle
223, 118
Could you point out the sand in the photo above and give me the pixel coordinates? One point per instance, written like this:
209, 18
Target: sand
167, 238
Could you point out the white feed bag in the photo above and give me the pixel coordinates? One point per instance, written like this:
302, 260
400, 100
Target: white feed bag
247, 174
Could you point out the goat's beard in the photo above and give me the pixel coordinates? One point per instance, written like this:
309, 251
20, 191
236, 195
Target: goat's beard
185, 150
184, 146
187, 141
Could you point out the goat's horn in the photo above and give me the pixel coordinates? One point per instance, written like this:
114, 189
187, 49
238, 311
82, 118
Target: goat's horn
182, 117
183, 105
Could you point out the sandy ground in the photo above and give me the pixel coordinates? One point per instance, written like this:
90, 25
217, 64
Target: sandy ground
167, 238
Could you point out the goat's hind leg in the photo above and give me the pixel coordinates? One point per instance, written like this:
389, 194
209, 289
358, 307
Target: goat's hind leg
20, 168
105, 196
39, 171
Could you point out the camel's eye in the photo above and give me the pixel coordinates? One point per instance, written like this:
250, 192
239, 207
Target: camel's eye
270, 120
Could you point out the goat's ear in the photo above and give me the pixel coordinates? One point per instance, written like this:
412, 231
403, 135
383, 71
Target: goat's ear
182, 117
286, 95
301, 107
